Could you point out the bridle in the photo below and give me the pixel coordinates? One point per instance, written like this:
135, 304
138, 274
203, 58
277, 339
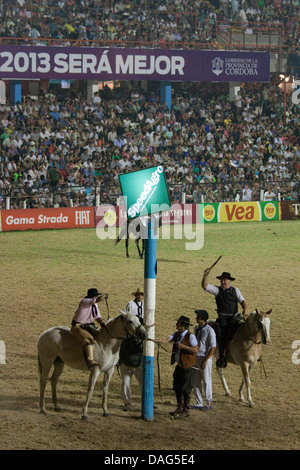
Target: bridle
261, 330
127, 329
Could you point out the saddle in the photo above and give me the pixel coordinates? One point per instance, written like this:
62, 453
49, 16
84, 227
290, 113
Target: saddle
91, 328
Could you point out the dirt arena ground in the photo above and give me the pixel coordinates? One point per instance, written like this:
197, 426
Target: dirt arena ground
44, 275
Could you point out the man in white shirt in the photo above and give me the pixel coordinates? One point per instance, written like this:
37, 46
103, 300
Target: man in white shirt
131, 353
206, 338
137, 304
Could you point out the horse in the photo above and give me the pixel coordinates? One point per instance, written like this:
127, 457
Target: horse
57, 346
132, 230
245, 349
138, 230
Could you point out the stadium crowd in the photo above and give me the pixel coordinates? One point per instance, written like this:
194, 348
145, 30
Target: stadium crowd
63, 150
157, 21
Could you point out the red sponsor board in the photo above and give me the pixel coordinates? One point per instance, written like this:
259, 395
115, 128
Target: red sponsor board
52, 218
179, 214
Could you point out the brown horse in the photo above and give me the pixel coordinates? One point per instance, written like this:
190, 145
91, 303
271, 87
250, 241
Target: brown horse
245, 349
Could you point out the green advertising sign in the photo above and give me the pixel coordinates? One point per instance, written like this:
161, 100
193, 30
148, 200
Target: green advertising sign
144, 191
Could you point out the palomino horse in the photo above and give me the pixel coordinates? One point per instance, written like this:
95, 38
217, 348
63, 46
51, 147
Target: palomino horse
58, 346
246, 348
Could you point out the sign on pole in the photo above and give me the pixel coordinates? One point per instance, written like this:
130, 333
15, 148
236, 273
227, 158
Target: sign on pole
145, 193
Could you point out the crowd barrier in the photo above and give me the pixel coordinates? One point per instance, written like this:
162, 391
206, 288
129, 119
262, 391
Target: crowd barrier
114, 216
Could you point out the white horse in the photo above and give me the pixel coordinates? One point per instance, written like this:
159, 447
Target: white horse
246, 349
58, 346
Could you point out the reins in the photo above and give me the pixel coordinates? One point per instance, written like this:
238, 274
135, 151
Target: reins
134, 334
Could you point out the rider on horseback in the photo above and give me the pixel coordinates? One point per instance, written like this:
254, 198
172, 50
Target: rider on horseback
227, 300
83, 322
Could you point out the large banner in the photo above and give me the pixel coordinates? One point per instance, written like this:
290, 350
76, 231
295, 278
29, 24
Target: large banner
92, 63
52, 218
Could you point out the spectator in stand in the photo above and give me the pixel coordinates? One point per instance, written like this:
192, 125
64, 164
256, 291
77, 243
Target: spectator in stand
269, 195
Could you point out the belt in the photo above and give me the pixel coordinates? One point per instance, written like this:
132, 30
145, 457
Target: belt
83, 324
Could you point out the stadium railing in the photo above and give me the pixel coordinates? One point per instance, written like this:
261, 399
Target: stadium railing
69, 196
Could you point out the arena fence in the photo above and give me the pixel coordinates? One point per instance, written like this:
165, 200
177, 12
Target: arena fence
83, 196
108, 216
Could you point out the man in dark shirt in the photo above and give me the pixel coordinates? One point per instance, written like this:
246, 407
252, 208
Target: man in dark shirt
227, 300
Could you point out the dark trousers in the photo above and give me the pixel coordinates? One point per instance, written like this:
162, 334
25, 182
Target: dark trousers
225, 328
182, 386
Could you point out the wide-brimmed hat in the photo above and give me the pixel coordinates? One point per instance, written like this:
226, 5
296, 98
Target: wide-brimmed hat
202, 313
93, 293
138, 291
184, 320
226, 276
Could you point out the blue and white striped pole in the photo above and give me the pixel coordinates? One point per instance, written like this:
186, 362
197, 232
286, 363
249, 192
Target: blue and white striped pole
149, 320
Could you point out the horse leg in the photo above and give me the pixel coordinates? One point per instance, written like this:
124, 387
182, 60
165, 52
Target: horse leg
126, 245
44, 370
246, 374
138, 247
95, 371
106, 379
58, 368
220, 371
241, 391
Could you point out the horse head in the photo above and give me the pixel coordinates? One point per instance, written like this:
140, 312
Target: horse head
133, 326
264, 325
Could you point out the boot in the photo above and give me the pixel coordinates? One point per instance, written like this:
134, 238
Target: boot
179, 408
186, 406
221, 361
89, 353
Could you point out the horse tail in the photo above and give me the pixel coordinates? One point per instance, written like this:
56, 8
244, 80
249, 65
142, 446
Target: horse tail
121, 234
39, 366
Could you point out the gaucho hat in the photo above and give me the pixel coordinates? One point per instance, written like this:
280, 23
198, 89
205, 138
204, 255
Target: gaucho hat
184, 320
93, 293
226, 276
138, 291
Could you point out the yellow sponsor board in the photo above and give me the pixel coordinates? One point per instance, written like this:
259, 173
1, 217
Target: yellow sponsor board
209, 212
239, 212
270, 210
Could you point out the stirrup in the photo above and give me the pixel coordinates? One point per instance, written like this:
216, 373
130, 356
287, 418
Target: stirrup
221, 362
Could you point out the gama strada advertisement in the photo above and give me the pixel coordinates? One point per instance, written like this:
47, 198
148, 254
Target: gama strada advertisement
52, 218
92, 63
